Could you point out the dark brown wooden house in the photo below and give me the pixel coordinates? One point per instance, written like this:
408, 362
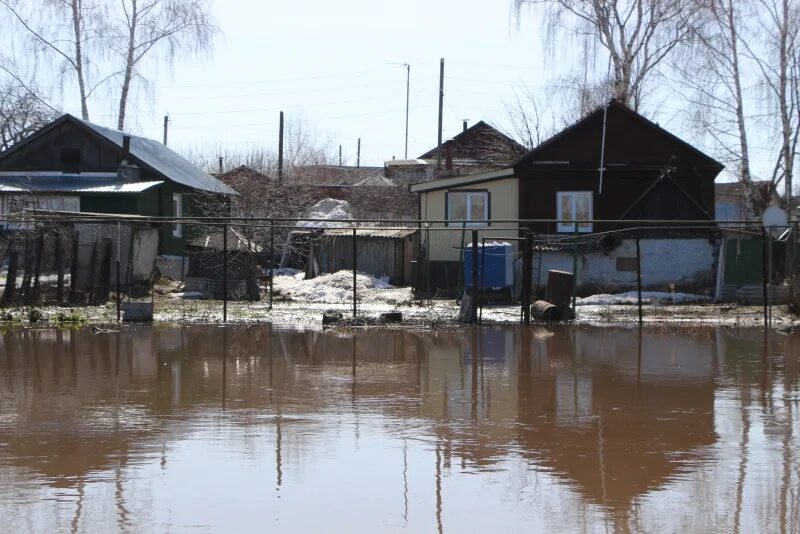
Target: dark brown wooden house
615, 164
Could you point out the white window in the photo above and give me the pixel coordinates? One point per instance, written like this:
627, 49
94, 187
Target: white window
574, 206
177, 211
471, 207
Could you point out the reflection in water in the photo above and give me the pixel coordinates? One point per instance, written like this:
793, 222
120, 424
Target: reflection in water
240, 428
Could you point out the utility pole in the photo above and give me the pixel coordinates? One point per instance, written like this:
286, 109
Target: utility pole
441, 103
280, 150
408, 87
340, 155
358, 154
166, 127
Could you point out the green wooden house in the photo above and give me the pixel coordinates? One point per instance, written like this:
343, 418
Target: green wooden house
77, 166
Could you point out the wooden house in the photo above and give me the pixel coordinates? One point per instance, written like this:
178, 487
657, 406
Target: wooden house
611, 168
478, 148
77, 166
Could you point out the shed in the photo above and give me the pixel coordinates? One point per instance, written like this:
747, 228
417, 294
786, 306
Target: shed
380, 252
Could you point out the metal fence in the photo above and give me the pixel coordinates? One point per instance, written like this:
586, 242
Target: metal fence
109, 268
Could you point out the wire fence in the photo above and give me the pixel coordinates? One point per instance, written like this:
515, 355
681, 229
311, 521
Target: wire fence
111, 268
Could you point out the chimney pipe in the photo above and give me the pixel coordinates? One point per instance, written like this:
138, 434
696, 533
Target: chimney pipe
220, 164
126, 147
465, 125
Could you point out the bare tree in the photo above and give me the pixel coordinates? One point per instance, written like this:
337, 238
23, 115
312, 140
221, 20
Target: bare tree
536, 115
69, 30
774, 50
713, 73
166, 27
21, 114
637, 35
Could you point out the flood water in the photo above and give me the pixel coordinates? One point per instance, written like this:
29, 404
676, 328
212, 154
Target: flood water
254, 429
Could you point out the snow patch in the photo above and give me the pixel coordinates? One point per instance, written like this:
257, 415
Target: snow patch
327, 211
338, 287
648, 297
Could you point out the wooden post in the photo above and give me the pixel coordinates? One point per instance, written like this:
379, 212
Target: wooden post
59, 257
225, 273
441, 104
575, 269
27, 275
764, 277
37, 266
475, 289
73, 270
280, 149
271, 259
355, 273
527, 264
91, 284
103, 288
119, 266
639, 279
10, 291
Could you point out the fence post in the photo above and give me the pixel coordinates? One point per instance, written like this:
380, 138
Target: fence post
764, 276
119, 269
73, 270
575, 268
59, 257
224, 273
271, 259
355, 273
527, 264
475, 289
10, 291
769, 276
639, 279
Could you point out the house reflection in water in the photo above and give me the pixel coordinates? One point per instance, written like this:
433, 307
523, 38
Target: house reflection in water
616, 414
602, 416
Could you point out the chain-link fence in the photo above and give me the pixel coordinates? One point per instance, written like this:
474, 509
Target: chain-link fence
109, 268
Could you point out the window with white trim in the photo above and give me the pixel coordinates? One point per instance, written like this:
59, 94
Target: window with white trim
471, 207
177, 211
574, 206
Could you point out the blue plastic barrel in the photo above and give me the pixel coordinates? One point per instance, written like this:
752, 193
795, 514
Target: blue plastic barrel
497, 260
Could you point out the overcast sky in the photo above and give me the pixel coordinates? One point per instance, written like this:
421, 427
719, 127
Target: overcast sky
335, 66
330, 64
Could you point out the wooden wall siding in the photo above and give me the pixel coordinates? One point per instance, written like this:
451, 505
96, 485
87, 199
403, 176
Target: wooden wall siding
375, 256
44, 153
635, 153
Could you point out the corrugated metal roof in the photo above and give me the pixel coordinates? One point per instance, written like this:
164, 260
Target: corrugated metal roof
71, 183
162, 159
386, 233
375, 181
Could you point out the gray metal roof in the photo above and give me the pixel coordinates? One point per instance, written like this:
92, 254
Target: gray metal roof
71, 183
386, 233
165, 161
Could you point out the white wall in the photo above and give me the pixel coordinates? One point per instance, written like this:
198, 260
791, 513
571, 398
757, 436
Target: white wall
683, 262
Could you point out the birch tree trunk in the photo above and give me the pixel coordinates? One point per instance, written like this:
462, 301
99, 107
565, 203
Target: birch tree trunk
127, 74
77, 23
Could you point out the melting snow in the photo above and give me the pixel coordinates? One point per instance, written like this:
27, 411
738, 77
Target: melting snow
328, 211
648, 297
338, 287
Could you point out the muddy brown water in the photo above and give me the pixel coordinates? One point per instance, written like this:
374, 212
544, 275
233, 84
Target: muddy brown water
255, 429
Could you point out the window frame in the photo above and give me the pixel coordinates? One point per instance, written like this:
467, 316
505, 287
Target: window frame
569, 227
177, 211
468, 222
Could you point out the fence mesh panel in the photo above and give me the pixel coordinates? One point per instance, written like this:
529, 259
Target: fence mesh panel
211, 270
